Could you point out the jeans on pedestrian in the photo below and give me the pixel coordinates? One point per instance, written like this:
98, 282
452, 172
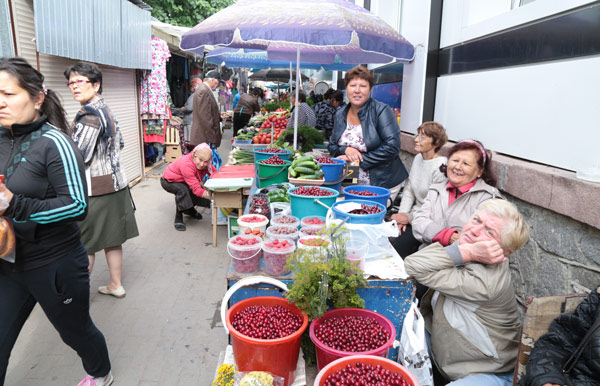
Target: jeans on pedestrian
62, 288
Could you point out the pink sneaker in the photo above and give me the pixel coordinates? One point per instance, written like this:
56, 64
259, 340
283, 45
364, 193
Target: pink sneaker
100, 381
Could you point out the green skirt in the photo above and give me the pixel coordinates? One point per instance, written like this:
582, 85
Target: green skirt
110, 221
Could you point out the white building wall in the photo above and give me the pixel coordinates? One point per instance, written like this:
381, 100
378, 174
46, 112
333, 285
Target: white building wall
530, 111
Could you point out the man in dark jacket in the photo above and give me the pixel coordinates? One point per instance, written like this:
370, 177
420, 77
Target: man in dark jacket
554, 349
206, 122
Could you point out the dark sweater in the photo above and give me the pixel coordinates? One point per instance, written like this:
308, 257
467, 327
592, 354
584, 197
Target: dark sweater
49, 189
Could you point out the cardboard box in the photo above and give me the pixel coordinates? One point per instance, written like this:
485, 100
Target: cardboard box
172, 153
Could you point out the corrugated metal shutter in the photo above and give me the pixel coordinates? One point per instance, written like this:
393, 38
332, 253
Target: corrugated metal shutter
6, 38
119, 88
120, 93
24, 29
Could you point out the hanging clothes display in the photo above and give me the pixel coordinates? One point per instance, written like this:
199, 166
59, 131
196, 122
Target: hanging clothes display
154, 95
153, 98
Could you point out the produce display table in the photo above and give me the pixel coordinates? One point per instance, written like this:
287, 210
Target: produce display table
390, 298
229, 186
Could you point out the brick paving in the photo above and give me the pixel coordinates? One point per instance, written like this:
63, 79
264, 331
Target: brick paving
167, 330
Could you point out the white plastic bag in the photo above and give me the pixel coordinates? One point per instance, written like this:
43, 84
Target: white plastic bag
413, 353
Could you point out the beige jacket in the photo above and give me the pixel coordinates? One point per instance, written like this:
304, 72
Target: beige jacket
470, 310
435, 215
206, 123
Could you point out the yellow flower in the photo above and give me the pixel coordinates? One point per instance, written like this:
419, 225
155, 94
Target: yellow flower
225, 375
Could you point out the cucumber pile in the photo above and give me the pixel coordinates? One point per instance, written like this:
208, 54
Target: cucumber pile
305, 168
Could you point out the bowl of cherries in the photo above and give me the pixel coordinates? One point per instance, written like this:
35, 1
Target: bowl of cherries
362, 369
343, 332
367, 192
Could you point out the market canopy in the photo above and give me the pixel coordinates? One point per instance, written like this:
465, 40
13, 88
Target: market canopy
248, 58
275, 75
319, 29
308, 31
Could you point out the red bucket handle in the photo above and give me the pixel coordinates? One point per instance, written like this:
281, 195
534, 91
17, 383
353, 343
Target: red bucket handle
251, 280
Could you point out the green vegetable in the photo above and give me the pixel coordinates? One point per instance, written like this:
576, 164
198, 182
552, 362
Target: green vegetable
310, 135
303, 170
308, 164
309, 177
319, 173
303, 158
293, 172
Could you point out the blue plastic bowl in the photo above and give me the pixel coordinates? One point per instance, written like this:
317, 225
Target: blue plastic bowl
303, 206
382, 194
376, 218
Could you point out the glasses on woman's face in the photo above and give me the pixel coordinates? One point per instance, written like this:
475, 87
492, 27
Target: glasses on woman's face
422, 137
79, 83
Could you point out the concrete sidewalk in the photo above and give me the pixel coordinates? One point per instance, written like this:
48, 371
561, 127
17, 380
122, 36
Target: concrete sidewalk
167, 330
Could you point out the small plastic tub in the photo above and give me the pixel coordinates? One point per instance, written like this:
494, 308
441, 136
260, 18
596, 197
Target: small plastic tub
245, 257
282, 232
286, 220
356, 252
317, 247
309, 221
252, 222
275, 252
314, 230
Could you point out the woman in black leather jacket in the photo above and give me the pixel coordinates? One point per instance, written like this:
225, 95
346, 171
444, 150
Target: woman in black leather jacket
366, 131
553, 349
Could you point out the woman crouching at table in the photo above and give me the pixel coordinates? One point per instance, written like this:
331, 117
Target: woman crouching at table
185, 179
366, 131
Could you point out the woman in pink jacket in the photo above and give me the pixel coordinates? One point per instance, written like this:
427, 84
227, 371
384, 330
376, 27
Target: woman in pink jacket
185, 179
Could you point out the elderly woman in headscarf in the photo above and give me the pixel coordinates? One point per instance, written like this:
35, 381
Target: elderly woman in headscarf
185, 179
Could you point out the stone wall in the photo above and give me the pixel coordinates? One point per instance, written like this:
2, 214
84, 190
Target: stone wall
563, 254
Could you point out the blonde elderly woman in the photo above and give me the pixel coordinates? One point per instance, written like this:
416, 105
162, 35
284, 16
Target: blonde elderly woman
185, 179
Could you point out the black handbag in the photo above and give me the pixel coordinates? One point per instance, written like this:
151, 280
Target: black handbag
570, 363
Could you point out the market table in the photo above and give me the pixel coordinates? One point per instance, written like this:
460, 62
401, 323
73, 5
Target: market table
390, 298
229, 186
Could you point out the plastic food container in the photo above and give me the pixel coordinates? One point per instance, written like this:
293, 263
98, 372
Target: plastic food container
313, 230
356, 252
315, 252
282, 232
245, 222
276, 256
245, 258
310, 221
286, 220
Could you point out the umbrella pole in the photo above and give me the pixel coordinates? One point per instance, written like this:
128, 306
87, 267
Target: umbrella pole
297, 94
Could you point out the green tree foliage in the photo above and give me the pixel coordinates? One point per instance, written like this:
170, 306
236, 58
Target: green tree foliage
186, 13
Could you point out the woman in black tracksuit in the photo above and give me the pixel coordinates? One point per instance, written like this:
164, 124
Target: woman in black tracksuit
46, 195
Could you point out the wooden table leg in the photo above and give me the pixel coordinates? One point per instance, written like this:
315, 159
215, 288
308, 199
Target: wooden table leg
214, 215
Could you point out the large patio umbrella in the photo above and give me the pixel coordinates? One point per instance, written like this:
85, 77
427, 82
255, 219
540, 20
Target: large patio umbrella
239, 57
275, 75
314, 30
